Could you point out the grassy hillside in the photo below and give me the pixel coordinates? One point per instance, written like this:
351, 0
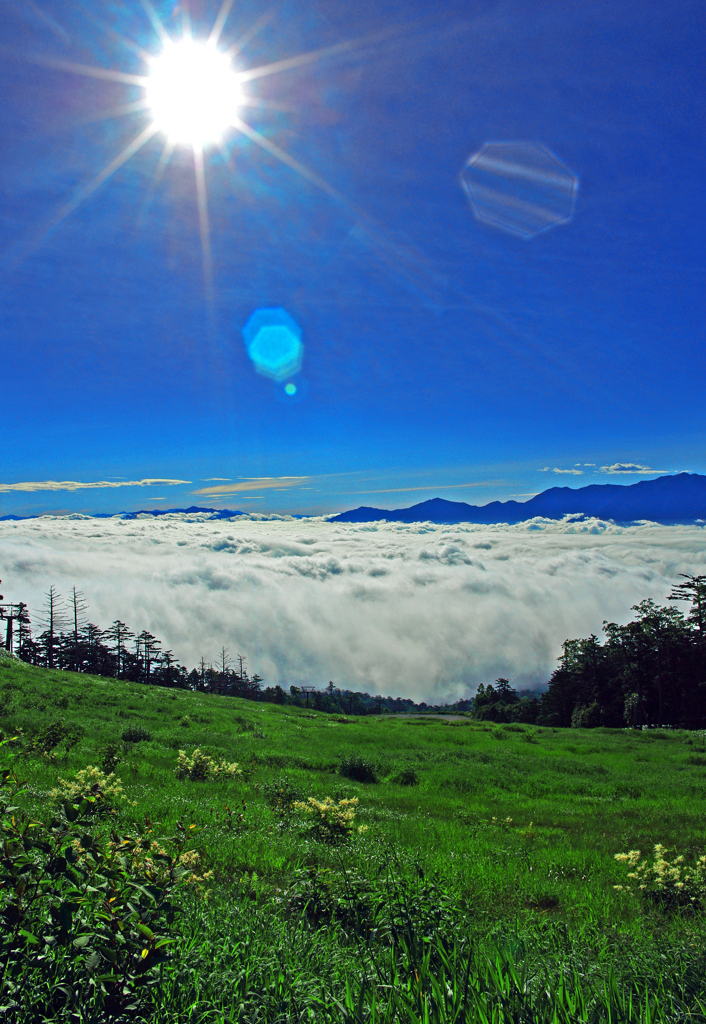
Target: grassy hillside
486, 850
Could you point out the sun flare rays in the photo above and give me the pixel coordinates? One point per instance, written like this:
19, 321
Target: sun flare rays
192, 95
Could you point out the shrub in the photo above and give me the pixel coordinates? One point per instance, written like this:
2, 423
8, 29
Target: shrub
85, 913
135, 734
587, 716
201, 767
111, 757
98, 790
406, 777
322, 896
330, 821
669, 884
357, 768
47, 740
281, 794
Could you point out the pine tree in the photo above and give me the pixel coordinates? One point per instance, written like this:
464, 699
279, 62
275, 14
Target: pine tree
78, 611
120, 635
52, 622
693, 590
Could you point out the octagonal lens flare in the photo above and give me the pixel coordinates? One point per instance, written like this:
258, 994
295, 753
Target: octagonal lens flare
273, 341
193, 92
521, 188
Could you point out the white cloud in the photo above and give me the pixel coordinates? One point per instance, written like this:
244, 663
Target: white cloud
572, 472
629, 467
78, 485
283, 483
420, 610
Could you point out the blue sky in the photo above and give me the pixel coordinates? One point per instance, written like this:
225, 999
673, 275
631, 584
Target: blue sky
442, 355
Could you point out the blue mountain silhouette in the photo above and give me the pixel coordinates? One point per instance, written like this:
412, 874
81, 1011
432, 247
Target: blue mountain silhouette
668, 499
214, 513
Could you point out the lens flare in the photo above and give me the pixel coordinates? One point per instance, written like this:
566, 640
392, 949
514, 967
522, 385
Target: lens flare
273, 341
193, 92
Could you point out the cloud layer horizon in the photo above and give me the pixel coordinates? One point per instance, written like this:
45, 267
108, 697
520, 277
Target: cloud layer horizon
418, 610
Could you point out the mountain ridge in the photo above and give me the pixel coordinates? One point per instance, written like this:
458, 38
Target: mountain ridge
668, 500
214, 513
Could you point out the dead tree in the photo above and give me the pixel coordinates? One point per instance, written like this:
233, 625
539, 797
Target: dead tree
52, 623
78, 619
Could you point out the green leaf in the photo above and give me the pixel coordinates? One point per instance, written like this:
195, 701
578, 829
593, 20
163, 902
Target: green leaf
93, 961
30, 938
147, 932
71, 812
66, 913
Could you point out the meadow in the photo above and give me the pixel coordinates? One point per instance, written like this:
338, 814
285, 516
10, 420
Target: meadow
474, 879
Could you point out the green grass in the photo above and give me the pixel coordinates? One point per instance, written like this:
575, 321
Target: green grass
514, 919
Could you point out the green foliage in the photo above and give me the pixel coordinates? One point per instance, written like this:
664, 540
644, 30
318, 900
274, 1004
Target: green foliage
111, 757
86, 915
647, 672
201, 766
530, 928
135, 734
405, 777
667, 883
281, 794
358, 768
46, 742
587, 716
330, 821
390, 904
98, 792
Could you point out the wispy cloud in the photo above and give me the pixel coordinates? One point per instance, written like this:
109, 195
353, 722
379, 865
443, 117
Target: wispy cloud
571, 472
79, 485
217, 479
629, 467
432, 487
260, 483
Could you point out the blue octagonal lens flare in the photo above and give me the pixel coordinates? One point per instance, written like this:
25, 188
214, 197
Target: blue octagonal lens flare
273, 341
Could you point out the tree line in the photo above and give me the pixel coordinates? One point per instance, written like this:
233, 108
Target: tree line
65, 639
650, 672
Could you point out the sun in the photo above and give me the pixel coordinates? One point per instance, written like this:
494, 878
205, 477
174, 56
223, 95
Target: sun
193, 92
193, 95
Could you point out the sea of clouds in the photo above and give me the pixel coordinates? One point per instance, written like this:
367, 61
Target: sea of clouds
416, 610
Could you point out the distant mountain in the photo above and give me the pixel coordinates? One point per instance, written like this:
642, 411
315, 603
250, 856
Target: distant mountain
667, 500
213, 513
